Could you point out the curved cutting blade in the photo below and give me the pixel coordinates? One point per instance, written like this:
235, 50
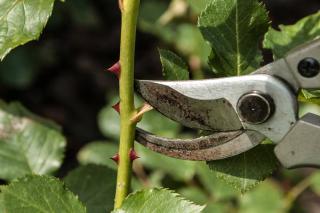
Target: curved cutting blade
211, 104
213, 147
215, 114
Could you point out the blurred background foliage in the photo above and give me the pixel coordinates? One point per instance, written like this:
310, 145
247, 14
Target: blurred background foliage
63, 77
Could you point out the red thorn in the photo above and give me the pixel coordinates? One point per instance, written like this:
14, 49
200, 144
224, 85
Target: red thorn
133, 155
116, 158
115, 69
116, 107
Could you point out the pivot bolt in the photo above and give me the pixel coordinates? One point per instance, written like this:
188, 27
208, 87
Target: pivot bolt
255, 108
309, 67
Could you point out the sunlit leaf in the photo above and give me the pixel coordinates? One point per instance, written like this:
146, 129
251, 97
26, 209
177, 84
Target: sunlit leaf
157, 201
33, 194
28, 143
234, 29
289, 36
173, 67
22, 21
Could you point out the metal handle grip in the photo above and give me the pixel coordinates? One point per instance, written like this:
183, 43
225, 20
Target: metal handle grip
301, 146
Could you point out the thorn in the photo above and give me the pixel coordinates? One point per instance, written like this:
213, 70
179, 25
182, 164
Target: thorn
138, 116
116, 107
115, 69
116, 158
133, 155
120, 5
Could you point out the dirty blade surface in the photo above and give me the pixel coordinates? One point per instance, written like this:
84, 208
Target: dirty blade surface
217, 114
213, 147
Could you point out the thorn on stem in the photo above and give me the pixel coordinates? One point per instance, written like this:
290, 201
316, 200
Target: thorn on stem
133, 155
116, 158
116, 107
120, 5
115, 69
138, 116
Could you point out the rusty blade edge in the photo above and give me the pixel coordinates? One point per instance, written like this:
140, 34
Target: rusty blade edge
213, 147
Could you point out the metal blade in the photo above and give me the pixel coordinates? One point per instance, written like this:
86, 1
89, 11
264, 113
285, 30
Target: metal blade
217, 114
213, 147
212, 104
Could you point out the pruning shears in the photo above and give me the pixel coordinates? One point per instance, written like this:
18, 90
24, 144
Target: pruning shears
242, 111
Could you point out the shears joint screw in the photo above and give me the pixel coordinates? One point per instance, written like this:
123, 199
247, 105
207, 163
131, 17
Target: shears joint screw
255, 108
309, 67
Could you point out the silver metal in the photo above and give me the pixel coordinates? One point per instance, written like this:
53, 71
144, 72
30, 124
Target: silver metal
209, 95
217, 114
213, 147
212, 105
301, 146
255, 107
311, 49
287, 68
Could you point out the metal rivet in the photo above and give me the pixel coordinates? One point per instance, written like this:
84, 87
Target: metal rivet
309, 67
255, 108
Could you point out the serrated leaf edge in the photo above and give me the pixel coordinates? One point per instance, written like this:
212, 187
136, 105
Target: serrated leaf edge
26, 178
175, 194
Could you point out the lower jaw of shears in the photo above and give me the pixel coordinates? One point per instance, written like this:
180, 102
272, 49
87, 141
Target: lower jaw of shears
217, 146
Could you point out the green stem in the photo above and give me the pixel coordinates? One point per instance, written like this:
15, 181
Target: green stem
294, 193
130, 10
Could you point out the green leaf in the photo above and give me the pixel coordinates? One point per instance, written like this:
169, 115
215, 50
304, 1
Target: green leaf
151, 11
157, 201
28, 143
95, 186
173, 67
289, 36
98, 153
218, 207
215, 186
234, 29
1, 202
19, 69
246, 170
108, 120
45, 194
182, 170
195, 194
266, 198
198, 5
190, 41
150, 14
163, 125
315, 182
22, 21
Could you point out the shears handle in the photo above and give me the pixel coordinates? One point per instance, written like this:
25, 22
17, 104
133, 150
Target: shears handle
301, 146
